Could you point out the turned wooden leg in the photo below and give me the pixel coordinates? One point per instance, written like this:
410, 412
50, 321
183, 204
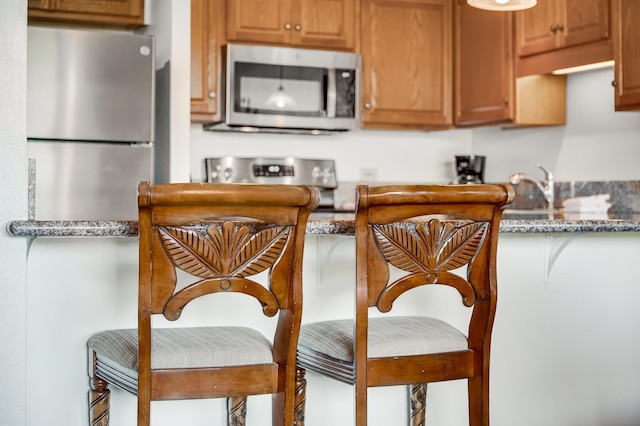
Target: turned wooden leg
300, 397
418, 403
237, 410
99, 402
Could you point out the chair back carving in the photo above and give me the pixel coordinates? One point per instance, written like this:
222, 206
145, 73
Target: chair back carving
221, 237
458, 226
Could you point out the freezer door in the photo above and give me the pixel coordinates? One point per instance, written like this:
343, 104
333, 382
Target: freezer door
91, 85
88, 181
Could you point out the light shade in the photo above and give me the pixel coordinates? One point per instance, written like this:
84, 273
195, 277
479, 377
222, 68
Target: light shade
502, 5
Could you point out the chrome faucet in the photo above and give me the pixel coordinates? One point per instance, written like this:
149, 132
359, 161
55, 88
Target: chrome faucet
546, 185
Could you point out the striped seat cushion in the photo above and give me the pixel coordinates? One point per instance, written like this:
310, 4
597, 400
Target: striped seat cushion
194, 347
388, 337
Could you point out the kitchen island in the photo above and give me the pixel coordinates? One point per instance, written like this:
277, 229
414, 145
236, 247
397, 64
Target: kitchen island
563, 349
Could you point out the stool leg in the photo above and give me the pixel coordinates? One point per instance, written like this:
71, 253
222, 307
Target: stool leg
237, 410
300, 397
99, 402
418, 403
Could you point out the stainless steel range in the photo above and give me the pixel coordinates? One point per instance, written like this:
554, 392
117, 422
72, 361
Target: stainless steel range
282, 170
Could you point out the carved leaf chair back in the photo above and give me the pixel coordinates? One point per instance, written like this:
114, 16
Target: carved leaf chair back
219, 236
425, 234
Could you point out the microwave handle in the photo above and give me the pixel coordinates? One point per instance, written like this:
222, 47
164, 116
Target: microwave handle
331, 93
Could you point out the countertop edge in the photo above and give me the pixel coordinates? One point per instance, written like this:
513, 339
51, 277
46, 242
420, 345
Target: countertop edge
330, 225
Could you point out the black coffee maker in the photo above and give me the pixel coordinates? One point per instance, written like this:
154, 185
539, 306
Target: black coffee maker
470, 169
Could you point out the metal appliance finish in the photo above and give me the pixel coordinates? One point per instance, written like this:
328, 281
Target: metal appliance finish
338, 95
90, 85
90, 121
282, 170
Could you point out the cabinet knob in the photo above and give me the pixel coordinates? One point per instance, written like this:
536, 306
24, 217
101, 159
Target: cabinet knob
614, 83
298, 27
505, 101
553, 28
212, 95
367, 105
560, 27
287, 26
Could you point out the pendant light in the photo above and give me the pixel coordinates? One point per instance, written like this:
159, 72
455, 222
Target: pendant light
502, 5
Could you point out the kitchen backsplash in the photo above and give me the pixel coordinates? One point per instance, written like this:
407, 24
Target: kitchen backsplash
625, 195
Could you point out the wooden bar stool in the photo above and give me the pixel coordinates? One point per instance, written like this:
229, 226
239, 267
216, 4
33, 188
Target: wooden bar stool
426, 232
220, 235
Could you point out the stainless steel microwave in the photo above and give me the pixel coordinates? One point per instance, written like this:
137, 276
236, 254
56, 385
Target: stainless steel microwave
278, 88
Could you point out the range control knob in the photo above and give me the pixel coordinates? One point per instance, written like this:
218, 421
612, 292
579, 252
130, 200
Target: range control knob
214, 175
228, 173
325, 174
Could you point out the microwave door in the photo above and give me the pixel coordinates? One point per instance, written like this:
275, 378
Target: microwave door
331, 93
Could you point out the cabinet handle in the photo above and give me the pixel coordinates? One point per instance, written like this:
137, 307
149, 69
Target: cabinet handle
298, 27
287, 26
212, 95
367, 105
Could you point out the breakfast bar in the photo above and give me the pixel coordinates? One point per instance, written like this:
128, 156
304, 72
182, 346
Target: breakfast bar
337, 223
567, 292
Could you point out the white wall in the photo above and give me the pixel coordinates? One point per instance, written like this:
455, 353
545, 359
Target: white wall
395, 155
169, 22
13, 204
596, 144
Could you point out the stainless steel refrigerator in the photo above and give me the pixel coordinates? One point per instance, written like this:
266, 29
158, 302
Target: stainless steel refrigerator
90, 121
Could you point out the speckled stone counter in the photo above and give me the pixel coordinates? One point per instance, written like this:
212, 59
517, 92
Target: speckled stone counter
338, 223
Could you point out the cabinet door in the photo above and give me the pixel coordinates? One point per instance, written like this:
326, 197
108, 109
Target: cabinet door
207, 34
325, 23
554, 24
537, 28
260, 21
484, 65
407, 63
584, 21
112, 13
626, 15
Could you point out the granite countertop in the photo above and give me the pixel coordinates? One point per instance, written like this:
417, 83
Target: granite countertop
341, 223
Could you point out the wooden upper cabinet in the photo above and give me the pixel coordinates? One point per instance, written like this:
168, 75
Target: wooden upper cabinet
207, 37
554, 24
626, 15
330, 24
326, 23
116, 13
557, 34
407, 64
487, 92
484, 65
537, 28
